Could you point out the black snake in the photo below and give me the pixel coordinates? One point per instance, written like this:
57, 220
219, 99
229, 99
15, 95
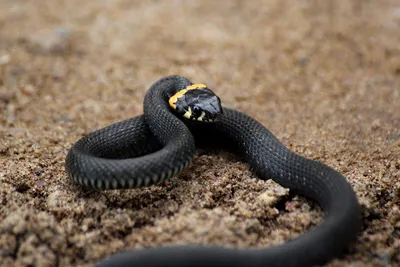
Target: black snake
151, 148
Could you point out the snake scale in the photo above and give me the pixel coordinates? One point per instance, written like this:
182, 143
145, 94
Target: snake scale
155, 146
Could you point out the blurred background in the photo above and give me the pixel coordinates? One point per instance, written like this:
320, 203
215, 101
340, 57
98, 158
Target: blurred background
324, 76
251, 53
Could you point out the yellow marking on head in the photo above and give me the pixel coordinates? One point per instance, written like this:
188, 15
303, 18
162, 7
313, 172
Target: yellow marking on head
188, 113
201, 116
196, 86
173, 99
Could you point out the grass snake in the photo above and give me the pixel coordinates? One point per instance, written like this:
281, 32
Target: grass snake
150, 148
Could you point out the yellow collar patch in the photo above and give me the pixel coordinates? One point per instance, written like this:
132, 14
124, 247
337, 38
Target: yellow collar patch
173, 99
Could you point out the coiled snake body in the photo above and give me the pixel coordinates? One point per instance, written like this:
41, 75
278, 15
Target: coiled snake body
152, 147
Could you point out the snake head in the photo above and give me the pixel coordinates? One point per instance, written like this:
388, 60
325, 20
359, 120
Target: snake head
196, 102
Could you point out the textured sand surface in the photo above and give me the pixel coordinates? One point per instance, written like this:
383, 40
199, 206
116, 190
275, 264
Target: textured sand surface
324, 76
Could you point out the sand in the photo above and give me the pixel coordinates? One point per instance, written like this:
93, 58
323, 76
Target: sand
324, 76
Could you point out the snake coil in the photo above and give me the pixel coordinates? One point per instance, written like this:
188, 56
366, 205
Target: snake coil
150, 148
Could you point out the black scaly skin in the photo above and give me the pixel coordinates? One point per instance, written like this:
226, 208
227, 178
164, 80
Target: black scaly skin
259, 147
109, 158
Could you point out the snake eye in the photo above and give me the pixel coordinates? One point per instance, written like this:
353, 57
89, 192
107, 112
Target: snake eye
196, 109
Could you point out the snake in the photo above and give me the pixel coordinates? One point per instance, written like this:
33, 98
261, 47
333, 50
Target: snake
178, 117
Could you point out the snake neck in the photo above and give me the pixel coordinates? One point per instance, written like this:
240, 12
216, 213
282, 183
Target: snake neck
162, 122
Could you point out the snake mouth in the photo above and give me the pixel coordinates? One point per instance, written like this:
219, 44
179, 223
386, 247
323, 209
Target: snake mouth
197, 102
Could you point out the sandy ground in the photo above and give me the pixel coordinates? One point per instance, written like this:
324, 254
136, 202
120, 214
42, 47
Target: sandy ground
324, 76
